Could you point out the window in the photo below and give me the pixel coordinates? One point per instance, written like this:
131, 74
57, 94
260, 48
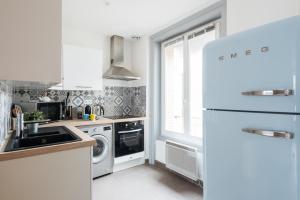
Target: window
182, 82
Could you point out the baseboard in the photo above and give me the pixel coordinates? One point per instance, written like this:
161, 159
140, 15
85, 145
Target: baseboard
163, 166
128, 164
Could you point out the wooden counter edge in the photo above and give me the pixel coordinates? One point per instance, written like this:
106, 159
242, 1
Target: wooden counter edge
85, 142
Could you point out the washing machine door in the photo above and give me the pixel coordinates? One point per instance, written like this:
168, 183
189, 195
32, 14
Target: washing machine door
100, 149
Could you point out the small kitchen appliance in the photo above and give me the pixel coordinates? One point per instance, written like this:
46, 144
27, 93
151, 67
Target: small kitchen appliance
51, 110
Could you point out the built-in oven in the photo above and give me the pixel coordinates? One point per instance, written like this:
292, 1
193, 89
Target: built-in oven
129, 138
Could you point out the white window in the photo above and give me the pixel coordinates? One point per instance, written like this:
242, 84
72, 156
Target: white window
182, 82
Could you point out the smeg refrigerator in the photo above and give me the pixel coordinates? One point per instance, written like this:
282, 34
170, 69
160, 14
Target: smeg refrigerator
251, 91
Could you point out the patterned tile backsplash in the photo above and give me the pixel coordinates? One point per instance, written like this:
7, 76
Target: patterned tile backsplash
115, 100
5, 105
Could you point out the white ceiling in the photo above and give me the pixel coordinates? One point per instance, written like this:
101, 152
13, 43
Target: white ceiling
127, 17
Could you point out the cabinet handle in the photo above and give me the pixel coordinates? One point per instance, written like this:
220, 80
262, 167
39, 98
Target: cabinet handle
276, 92
268, 133
85, 87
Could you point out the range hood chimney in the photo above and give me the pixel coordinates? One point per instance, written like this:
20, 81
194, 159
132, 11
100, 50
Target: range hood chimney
116, 71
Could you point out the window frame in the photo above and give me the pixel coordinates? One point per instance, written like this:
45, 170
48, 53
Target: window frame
184, 137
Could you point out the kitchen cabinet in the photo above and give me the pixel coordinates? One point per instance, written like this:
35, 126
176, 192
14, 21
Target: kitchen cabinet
82, 68
62, 175
30, 38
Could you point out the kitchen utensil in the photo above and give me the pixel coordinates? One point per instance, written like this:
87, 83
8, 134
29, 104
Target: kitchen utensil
85, 117
69, 112
45, 99
15, 110
92, 117
79, 112
88, 110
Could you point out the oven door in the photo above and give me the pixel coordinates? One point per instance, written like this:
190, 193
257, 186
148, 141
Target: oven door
129, 142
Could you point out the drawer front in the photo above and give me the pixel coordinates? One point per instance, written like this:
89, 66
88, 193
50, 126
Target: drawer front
245, 159
256, 70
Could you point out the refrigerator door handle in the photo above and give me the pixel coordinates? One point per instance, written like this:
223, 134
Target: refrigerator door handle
275, 92
268, 133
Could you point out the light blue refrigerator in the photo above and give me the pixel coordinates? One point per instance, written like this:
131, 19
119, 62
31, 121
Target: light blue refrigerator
252, 114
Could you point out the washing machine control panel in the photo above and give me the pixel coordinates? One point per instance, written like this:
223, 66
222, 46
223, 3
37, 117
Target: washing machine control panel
107, 128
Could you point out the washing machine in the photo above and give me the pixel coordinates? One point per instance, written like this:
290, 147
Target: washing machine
103, 150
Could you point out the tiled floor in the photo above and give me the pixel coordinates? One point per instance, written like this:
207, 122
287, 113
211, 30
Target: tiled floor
144, 183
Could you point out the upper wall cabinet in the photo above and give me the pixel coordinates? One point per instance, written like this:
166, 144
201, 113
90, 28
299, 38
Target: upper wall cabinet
30, 40
82, 68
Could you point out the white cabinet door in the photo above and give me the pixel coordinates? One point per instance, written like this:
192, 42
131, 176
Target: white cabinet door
82, 68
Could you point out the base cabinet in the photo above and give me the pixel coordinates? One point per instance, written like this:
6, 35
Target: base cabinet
64, 175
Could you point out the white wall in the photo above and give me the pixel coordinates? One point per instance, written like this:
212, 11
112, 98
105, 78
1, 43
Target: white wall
140, 59
160, 151
140, 66
242, 14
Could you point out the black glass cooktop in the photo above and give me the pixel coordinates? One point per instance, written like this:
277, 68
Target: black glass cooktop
121, 117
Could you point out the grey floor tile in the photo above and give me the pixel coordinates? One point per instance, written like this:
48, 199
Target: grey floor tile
145, 183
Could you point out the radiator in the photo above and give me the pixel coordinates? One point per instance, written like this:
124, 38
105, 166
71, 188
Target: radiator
182, 159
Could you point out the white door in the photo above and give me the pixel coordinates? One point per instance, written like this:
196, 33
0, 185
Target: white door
82, 68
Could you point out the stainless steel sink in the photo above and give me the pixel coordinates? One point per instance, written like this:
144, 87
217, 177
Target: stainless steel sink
45, 137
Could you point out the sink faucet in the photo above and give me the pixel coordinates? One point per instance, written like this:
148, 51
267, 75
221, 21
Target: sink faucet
20, 125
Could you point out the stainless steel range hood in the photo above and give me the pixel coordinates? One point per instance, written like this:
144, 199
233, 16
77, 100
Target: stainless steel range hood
116, 71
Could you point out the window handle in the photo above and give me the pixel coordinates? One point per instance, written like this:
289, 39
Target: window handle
177, 116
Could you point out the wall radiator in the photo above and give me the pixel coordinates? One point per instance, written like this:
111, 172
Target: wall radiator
182, 159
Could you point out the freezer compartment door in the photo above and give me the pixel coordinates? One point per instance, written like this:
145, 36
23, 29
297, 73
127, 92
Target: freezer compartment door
257, 70
251, 156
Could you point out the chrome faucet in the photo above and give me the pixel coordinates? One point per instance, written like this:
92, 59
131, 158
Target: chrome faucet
20, 125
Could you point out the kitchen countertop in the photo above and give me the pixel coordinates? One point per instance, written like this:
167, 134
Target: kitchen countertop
79, 122
69, 124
